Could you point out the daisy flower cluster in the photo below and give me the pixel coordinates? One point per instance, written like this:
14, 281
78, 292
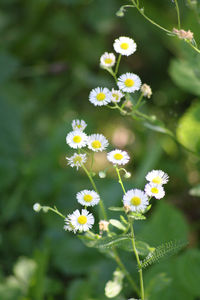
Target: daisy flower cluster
137, 200
126, 83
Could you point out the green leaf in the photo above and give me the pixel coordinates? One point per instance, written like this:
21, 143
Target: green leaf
186, 75
195, 191
117, 224
143, 248
188, 130
188, 267
115, 208
158, 126
137, 216
114, 287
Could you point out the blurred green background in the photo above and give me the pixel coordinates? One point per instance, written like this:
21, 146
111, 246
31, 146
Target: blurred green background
49, 58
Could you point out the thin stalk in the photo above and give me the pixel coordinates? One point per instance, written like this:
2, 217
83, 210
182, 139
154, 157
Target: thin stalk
178, 14
147, 18
123, 268
139, 101
119, 179
138, 262
117, 65
95, 188
55, 210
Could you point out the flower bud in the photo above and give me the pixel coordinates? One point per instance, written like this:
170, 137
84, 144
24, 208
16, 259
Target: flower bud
37, 207
103, 225
182, 34
146, 90
102, 174
127, 175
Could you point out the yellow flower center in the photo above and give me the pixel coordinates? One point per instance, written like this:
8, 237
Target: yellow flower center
157, 180
118, 156
101, 96
82, 219
77, 139
129, 82
135, 201
87, 198
116, 96
77, 159
124, 46
96, 144
154, 190
108, 60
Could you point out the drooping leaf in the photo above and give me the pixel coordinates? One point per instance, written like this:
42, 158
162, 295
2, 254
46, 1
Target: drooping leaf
188, 130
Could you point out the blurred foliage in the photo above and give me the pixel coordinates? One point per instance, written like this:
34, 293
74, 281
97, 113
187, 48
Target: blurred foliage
49, 62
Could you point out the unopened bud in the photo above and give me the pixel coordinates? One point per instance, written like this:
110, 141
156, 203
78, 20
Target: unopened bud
146, 90
45, 209
128, 104
103, 225
102, 174
127, 175
182, 34
37, 207
127, 208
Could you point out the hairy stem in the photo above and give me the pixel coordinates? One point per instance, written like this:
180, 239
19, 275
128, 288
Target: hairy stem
178, 14
95, 188
138, 262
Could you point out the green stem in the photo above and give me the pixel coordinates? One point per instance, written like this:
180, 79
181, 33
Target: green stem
138, 262
117, 65
147, 18
120, 180
54, 210
178, 14
139, 101
95, 188
123, 268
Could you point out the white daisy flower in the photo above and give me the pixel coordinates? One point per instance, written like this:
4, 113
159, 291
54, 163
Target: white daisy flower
82, 221
154, 190
136, 199
78, 125
125, 45
129, 82
87, 198
68, 225
76, 139
157, 176
76, 160
107, 60
97, 142
118, 157
116, 96
100, 96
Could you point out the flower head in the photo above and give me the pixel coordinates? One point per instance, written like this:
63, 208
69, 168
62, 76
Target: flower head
76, 139
78, 125
136, 199
154, 190
146, 90
129, 82
68, 225
82, 221
88, 198
97, 142
125, 45
157, 176
76, 160
107, 60
116, 96
100, 96
118, 157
